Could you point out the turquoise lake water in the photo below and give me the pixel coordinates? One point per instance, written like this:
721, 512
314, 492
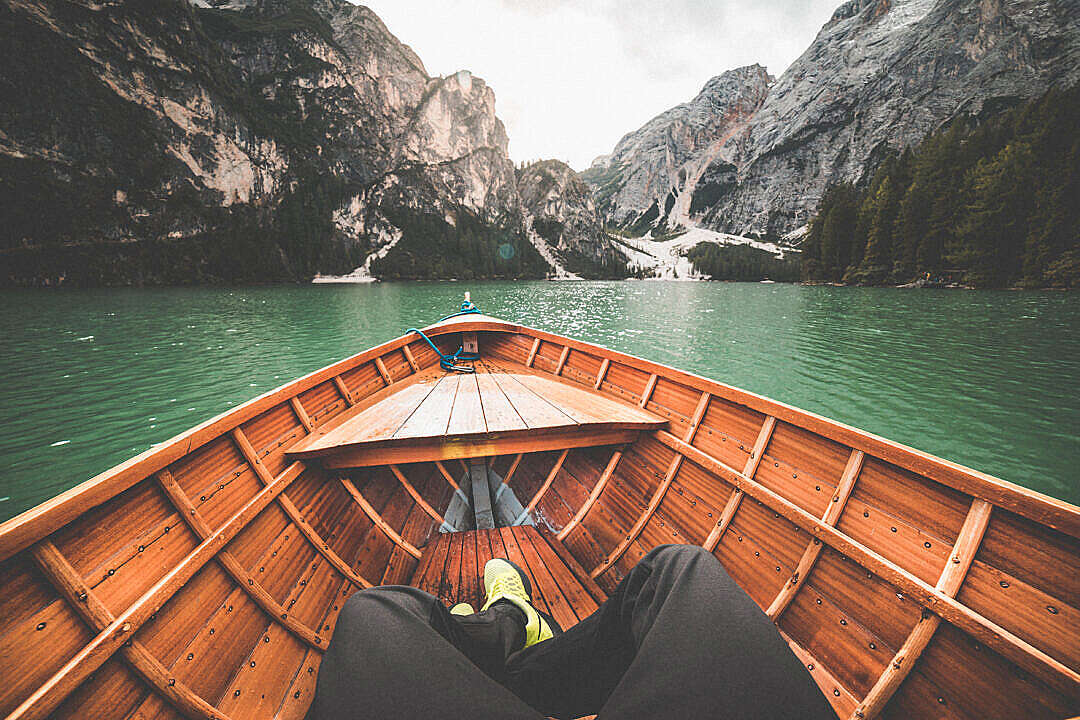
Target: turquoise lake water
987, 379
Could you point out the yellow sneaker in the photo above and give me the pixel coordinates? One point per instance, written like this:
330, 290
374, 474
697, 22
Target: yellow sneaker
462, 609
503, 580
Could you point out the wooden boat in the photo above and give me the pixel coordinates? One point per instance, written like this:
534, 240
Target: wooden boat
202, 579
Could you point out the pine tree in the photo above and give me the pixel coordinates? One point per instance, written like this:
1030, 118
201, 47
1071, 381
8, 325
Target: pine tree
995, 199
992, 229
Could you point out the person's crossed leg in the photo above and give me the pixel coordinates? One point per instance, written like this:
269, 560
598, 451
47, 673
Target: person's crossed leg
677, 638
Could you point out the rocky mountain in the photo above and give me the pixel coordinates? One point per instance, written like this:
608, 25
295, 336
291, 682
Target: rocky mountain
880, 76
648, 180
244, 140
564, 222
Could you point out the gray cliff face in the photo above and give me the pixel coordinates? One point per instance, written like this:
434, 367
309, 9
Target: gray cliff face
241, 140
560, 209
879, 77
650, 177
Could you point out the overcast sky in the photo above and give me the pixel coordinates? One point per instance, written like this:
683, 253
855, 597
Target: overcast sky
571, 77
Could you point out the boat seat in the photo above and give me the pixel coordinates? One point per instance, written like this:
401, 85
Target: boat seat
499, 409
451, 567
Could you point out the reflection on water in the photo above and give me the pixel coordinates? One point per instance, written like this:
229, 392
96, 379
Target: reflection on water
987, 379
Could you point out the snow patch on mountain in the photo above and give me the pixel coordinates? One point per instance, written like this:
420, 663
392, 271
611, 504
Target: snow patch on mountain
666, 259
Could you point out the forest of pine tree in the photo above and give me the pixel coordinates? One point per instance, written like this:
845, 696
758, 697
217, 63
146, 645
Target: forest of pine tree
987, 203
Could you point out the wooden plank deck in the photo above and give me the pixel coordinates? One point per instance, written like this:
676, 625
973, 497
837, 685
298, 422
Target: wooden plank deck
452, 566
501, 408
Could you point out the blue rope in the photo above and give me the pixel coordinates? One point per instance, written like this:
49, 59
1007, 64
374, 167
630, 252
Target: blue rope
450, 362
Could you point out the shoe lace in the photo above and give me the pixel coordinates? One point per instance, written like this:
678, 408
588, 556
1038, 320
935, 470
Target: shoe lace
508, 585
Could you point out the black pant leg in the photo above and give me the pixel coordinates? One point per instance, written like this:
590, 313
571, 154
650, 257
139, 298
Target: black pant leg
677, 638
397, 652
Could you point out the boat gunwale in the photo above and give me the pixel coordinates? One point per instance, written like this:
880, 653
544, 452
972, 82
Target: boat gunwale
30, 526
1032, 504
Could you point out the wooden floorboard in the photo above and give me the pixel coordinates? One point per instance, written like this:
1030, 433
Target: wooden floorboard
452, 565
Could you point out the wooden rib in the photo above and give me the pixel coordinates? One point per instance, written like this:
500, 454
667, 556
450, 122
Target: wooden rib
376, 518
952, 577
661, 489
650, 385
229, 562
695, 419
412, 360
320, 545
544, 488
513, 468
89, 606
343, 388
591, 500
381, 366
604, 365
1020, 652
631, 536
301, 414
562, 360
49, 696
446, 474
813, 549
749, 469
435, 515
532, 352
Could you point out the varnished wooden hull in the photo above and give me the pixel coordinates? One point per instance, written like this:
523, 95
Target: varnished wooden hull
203, 578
